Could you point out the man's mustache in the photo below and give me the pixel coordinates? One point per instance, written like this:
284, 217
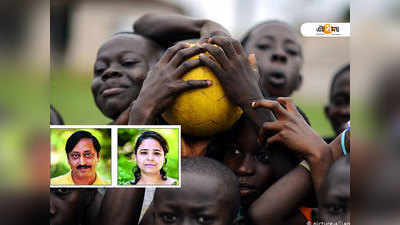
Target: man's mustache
83, 166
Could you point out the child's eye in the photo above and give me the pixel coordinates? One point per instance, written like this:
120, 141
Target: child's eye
61, 191
263, 46
128, 63
143, 153
204, 220
292, 52
336, 209
263, 157
157, 153
168, 218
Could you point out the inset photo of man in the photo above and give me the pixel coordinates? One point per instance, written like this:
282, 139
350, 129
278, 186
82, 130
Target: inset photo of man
80, 157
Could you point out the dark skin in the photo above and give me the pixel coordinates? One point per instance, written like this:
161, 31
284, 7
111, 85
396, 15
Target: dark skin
165, 29
334, 196
68, 206
279, 58
250, 161
207, 204
169, 29
121, 66
121, 206
258, 186
338, 109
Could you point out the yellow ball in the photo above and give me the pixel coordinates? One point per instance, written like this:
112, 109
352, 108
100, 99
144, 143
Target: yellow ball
205, 111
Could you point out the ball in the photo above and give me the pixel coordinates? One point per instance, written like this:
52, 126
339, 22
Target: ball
205, 111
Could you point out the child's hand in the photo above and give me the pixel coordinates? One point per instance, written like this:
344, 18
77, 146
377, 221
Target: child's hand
233, 69
291, 129
163, 82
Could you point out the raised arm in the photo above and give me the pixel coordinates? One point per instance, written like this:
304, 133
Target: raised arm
169, 29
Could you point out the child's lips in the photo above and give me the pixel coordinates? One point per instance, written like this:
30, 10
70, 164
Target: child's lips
112, 91
277, 79
150, 165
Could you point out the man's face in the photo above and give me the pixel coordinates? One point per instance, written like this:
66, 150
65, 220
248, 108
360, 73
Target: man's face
83, 160
206, 205
66, 206
121, 66
338, 110
279, 58
250, 162
150, 156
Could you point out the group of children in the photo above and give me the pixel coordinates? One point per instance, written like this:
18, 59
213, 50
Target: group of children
271, 167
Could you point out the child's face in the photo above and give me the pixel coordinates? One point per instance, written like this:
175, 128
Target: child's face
338, 110
200, 200
279, 58
334, 196
121, 66
250, 162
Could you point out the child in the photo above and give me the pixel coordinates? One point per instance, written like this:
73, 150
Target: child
279, 57
121, 66
334, 195
209, 195
70, 206
338, 109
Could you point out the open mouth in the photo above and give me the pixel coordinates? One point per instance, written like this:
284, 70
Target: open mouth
277, 79
149, 165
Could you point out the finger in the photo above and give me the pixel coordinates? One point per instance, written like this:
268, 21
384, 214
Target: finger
238, 47
275, 106
275, 138
225, 44
166, 57
268, 129
192, 84
214, 66
218, 54
184, 54
289, 104
253, 62
186, 67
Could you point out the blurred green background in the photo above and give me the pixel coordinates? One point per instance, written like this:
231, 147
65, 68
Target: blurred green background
58, 157
126, 142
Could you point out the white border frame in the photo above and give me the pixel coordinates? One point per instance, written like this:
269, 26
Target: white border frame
114, 154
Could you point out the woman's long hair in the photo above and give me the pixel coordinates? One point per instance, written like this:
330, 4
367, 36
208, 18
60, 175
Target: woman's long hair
156, 136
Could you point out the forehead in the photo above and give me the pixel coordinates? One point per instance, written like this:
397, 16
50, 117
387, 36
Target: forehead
150, 143
275, 30
129, 44
85, 144
202, 190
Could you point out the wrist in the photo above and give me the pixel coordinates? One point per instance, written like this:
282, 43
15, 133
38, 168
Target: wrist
321, 155
142, 112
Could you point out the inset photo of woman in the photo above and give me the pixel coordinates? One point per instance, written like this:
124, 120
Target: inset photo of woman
148, 156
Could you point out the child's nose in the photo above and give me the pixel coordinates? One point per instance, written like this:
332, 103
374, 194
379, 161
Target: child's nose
279, 56
246, 167
110, 73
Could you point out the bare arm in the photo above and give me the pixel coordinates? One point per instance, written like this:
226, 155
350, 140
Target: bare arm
121, 206
286, 195
168, 29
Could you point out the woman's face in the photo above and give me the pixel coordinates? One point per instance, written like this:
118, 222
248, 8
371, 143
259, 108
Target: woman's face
150, 156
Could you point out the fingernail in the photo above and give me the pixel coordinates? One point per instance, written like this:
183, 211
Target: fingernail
253, 104
209, 82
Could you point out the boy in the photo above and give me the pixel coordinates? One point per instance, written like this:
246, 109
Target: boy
209, 195
334, 195
279, 57
338, 109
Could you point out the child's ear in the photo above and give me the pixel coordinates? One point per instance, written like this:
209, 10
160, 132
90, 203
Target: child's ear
299, 81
